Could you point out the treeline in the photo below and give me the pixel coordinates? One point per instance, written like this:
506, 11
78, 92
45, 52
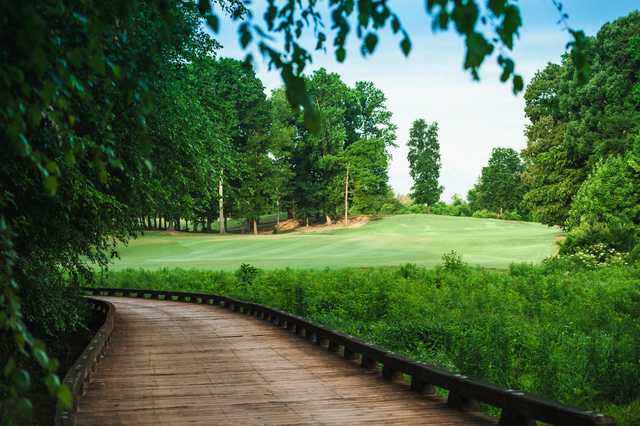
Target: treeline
497, 194
582, 161
221, 148
581, 167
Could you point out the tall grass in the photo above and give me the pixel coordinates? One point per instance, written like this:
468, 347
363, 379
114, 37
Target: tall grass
556, 330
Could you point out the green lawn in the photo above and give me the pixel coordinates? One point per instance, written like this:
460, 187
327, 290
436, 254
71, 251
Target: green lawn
420, 239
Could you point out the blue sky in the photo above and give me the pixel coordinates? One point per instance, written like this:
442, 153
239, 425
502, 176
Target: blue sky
474, 117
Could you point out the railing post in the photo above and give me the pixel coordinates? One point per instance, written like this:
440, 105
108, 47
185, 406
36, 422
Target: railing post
349, 354
460, 402
367, 362
512, 418
333, 346
422, 387
389, 373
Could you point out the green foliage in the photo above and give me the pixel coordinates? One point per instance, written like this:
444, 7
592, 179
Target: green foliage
565, 331
457, 207
246, 274
606, 208
424, 162
486, 214
581, 135
452, 261
52, 308
597, 255
355, 133
500, 188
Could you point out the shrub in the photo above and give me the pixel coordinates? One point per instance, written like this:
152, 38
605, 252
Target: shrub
618, 236
452, 261
409, 270
513, 215
52, 308
606, 208
598, 255
246, 274
486, 214
416, 209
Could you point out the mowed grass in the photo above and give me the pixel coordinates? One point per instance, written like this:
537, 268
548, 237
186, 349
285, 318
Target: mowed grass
395, 240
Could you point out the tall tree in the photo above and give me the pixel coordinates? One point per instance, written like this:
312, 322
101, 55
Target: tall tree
575, 127
424, 162
370, 134
500, 186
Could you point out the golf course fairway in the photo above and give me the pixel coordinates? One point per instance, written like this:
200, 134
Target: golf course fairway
394, 240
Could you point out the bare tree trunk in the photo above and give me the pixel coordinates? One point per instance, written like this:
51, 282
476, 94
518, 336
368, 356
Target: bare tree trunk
346, 197
278, 213
255, 227
307, 220
221, 219
327, 219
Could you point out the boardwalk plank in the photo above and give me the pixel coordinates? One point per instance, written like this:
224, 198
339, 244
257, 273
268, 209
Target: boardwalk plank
171, 363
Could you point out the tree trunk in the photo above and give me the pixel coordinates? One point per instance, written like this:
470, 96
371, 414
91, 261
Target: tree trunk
346, 197
177, 227
209, 222
327, 219
221, 219
255, 227
306, 218
278, 213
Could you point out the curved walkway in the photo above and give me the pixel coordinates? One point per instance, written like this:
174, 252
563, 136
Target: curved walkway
172, 363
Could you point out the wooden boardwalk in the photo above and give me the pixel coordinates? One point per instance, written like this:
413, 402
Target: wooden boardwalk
172, 363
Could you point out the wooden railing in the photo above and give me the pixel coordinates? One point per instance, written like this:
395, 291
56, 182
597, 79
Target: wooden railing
79, 375
464, 393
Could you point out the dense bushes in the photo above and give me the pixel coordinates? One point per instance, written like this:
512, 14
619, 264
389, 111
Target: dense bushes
606, 208
561, 330
456, 208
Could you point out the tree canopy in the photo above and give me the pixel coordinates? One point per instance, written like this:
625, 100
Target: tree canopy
424, 162
582, 137
499, 188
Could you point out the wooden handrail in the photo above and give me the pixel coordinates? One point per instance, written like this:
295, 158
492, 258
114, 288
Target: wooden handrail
79, 375
517, 408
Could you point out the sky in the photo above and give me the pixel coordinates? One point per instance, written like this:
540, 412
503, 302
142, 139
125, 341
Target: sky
473, 117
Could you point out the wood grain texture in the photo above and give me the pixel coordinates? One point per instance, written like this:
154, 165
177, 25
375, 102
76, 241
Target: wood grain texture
172, 363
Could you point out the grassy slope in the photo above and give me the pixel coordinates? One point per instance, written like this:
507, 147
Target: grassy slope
420, 239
